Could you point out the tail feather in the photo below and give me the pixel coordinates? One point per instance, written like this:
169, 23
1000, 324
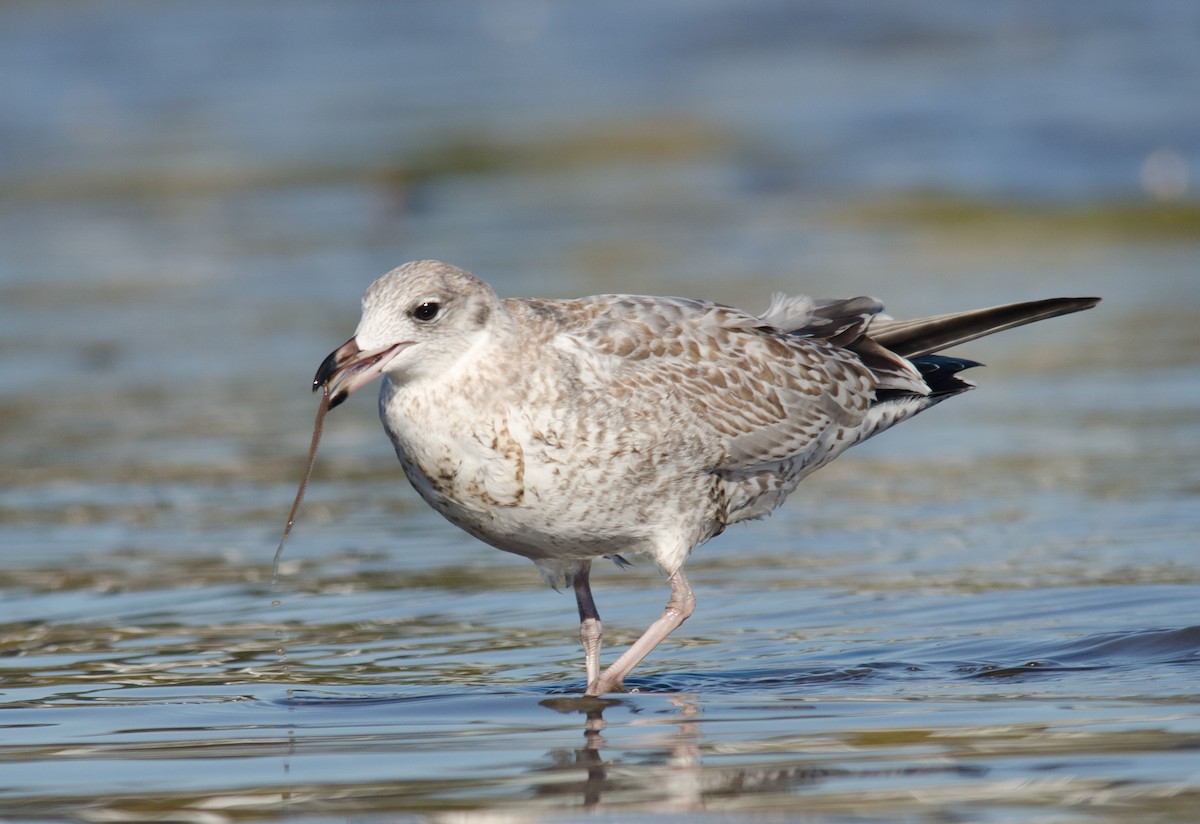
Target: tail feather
925, 336
941, 374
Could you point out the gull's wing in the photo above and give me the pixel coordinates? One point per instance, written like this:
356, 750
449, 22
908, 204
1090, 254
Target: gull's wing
772, 388
763, 394
765, 400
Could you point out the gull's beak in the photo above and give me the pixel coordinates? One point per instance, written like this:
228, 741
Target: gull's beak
348, 368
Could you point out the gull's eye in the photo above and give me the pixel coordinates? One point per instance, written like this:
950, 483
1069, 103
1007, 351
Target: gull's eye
426, 311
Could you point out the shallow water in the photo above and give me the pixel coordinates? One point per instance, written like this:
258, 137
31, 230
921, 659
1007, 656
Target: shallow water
989, 614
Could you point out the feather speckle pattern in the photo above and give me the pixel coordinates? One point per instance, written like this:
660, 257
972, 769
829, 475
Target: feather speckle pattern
622, 425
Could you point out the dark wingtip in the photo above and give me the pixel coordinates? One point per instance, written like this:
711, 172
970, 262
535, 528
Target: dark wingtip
1083, 303
925, 336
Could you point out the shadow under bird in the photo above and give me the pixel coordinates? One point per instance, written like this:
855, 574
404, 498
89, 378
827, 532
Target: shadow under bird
571, 430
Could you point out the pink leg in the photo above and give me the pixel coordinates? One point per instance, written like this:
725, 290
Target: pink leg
679, 606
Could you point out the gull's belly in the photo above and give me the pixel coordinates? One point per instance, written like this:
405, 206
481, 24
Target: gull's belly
516, 502
546, 492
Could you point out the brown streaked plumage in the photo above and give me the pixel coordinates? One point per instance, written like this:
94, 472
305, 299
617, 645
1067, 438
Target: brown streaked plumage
568, 430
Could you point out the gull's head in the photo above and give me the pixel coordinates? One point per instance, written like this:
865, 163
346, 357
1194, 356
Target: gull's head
417, 320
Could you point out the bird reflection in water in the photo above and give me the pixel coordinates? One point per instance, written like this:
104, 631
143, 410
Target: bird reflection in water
674, 778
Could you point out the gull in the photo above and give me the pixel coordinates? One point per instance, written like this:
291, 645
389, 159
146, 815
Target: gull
624, 425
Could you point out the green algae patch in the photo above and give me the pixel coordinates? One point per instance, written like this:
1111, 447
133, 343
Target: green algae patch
1124, 220
661, 140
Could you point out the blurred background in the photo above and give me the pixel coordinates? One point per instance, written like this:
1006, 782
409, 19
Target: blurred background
193, 197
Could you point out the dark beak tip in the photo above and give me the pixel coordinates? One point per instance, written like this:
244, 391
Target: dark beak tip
325, 371
332, 362
331, 375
